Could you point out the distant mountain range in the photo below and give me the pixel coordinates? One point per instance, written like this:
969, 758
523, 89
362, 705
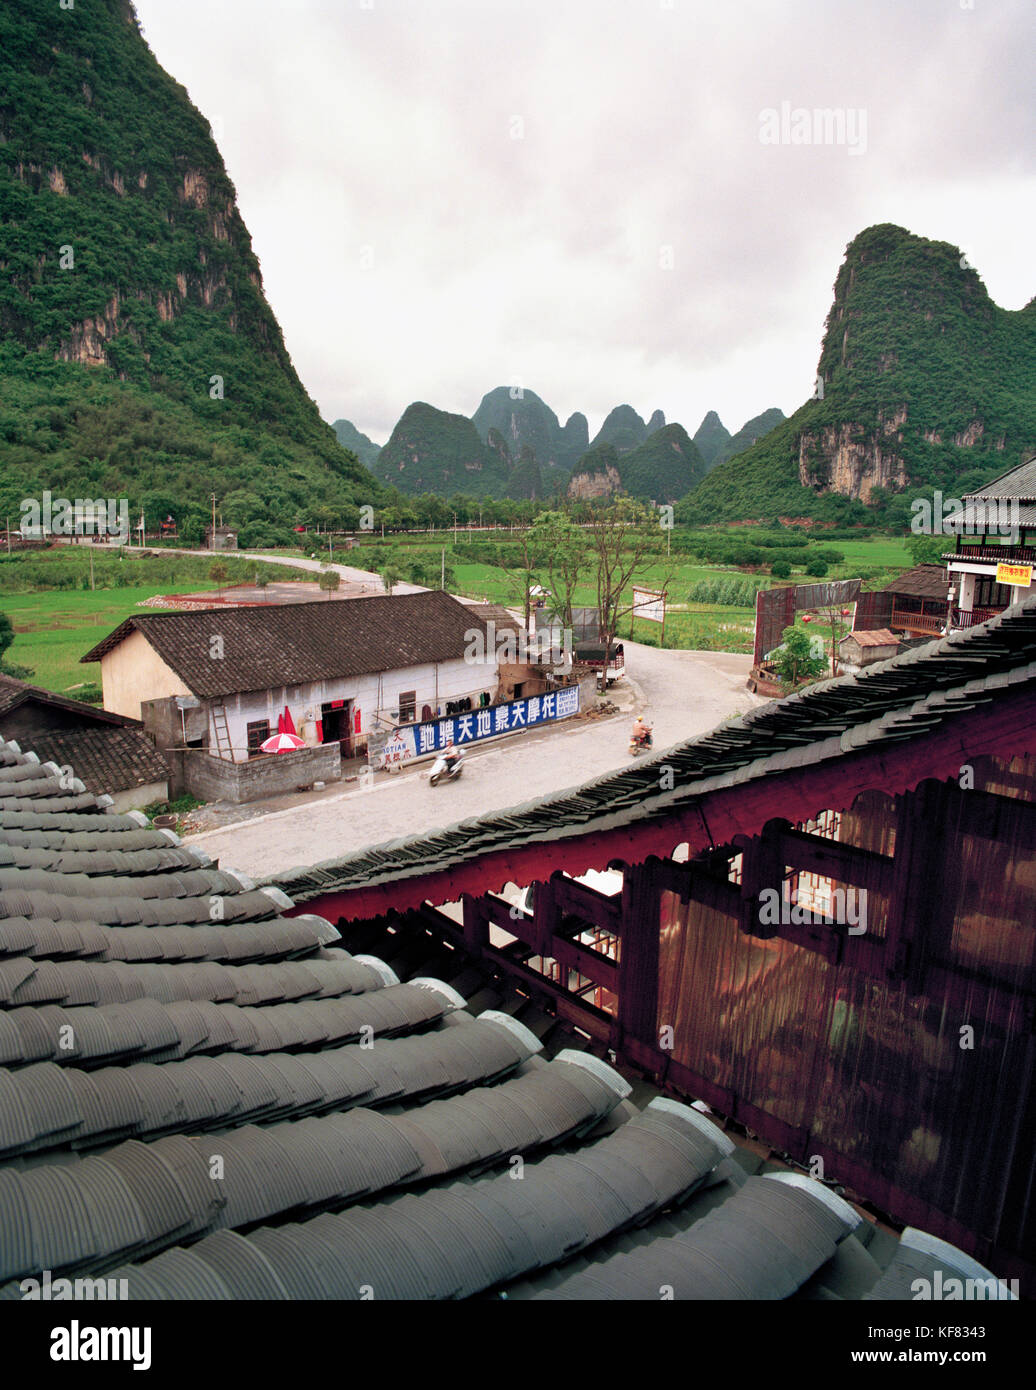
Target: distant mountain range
662, 469
515, 446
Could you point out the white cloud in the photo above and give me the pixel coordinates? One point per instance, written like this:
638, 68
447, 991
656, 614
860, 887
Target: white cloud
413, 248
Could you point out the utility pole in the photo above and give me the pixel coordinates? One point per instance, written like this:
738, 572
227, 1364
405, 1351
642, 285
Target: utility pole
442, 582
91, 566
213, 521
454, 528
8, 535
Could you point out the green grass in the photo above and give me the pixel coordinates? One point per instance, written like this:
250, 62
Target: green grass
53, 630
886, 551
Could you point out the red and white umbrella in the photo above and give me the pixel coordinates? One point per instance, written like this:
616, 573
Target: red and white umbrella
281, 743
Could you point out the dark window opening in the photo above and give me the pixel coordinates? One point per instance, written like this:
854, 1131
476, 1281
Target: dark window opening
258, 732
407, 706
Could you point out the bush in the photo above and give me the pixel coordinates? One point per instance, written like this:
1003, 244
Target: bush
780, 569
816, 568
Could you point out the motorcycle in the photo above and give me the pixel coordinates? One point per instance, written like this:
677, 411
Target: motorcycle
444, 770
641, 744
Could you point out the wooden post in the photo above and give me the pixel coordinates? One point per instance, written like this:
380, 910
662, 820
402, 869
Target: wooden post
639, 953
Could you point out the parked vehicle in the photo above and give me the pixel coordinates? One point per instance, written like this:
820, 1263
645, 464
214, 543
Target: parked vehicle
447, 766
592, 654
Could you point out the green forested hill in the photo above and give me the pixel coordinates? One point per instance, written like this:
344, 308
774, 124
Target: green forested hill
923, 383
524, 420
661, 469
358, 443
431, 450
138, 353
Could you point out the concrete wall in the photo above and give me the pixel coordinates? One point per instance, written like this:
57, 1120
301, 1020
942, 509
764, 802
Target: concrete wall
136, 798
217, 779
133, 672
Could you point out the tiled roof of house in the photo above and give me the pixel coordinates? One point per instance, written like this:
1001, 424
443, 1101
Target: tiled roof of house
876, 637
889, 702
1019, 482
366, 1126
292, 644
15, 692
108, 752
923, 581
105, 759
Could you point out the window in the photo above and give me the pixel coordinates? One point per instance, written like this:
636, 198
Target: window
407, 706
258, 732
990, 594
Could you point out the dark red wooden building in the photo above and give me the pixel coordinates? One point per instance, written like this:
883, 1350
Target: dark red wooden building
826, 927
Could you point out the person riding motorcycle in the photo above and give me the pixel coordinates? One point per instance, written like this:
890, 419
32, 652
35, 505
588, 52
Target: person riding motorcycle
641, 736
452, 754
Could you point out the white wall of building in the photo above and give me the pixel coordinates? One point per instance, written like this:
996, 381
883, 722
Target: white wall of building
371, 695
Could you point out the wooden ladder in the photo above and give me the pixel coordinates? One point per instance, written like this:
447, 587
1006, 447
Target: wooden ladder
224, 748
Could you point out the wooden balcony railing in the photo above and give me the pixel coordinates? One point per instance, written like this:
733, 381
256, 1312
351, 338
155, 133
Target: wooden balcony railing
903, 618
971, 617
994, 554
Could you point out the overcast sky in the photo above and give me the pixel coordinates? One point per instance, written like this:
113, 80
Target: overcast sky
584, 197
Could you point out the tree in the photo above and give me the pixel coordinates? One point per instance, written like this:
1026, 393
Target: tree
780, 569
330, 580
390, 575
927, 550
218, 574
619, 539
816, 568
795, 660
565, 554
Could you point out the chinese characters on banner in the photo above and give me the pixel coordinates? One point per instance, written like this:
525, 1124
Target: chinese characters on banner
416, 740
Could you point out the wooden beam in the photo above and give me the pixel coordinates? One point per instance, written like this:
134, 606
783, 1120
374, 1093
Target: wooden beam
637, 984
586, 960
600, 909
862, 868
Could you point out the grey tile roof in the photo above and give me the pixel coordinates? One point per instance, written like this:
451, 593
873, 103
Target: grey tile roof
1019, 482
104, 759
169, 1082
297, 643
890, 701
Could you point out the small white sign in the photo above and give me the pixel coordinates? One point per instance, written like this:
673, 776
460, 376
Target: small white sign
649, 604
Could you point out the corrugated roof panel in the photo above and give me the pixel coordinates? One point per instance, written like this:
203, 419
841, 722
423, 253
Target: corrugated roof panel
106, 1099
17, 1128
186, 1161
242, 1267
17, 1251
184, 1276
296, 1264
156, 1187
62, 1231
117, 1221
51, 1100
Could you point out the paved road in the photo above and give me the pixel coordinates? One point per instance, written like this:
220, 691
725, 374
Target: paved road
348, 572
685, 693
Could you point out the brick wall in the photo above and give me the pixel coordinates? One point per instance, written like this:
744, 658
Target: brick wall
272, 774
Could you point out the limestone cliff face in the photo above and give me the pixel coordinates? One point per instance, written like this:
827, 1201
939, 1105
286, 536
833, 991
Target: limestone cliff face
587, 486
852, 461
